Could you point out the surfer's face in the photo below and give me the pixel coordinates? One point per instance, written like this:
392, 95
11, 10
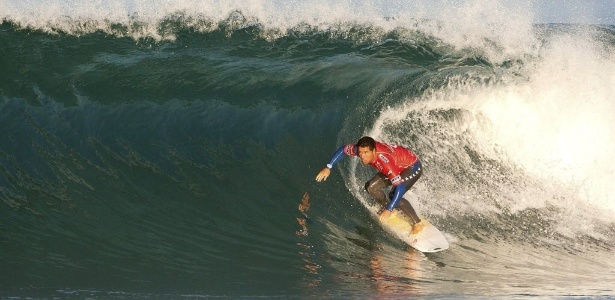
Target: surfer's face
366, 155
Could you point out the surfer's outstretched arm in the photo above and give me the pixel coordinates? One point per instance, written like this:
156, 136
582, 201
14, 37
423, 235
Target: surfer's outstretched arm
324, 173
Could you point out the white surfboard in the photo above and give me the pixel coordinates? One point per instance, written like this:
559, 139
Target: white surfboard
429, 239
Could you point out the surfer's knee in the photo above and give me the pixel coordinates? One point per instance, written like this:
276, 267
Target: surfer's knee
375, 185
371, 187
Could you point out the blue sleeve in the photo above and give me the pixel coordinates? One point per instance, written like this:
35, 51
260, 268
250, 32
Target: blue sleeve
339, 154
400, 190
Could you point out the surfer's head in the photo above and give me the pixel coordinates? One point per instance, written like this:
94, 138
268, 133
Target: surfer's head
366, 147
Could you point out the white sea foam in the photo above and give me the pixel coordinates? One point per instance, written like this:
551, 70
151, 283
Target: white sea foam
558, 125
551, 120
462, 23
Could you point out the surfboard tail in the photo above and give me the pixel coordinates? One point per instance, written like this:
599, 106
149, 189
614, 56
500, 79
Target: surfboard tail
427, 239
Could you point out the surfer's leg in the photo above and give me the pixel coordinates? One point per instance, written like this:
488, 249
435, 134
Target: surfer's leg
410, 176
407, 208
375, 187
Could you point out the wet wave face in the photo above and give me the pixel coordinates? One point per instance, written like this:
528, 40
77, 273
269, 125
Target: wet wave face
168, 150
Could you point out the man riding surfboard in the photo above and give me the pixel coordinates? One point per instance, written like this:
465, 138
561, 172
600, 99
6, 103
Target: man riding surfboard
397, 166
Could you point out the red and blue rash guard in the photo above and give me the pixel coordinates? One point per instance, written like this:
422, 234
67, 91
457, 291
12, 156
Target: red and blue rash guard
391, 160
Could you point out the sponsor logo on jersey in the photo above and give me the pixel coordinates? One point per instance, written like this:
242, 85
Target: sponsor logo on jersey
350, 150
383, 158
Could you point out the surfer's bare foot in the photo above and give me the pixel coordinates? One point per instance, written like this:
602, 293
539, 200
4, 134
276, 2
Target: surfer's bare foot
417, 227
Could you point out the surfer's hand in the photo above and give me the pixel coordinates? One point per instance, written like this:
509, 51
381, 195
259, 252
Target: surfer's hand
323, 174
384, 215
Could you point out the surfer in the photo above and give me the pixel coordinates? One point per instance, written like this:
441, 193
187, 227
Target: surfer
396, 165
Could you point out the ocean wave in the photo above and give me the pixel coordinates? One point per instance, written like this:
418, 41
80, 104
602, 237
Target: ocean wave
506, 28
162, 151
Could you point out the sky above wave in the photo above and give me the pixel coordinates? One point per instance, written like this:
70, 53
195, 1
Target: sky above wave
575, 11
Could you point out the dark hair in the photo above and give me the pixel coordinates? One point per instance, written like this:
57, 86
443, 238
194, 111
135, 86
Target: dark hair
367, 141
